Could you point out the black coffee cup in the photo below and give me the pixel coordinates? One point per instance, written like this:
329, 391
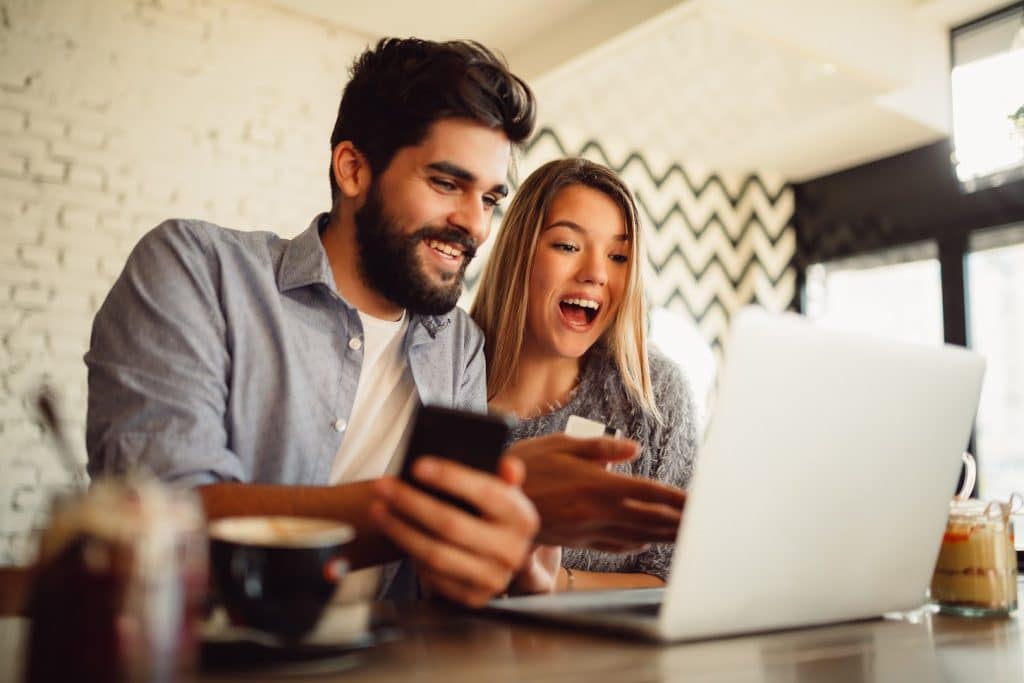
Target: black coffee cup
277, 574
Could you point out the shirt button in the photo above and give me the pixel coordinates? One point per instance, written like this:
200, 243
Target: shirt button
339, 425
355, 343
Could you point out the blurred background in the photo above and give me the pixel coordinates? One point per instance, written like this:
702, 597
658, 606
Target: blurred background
856, 160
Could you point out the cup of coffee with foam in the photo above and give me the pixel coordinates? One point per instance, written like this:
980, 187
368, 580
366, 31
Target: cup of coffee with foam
276, 574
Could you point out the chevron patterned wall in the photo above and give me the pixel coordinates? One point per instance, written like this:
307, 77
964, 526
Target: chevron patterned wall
715, 241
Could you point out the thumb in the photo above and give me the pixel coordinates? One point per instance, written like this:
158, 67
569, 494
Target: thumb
511, 470
602, 449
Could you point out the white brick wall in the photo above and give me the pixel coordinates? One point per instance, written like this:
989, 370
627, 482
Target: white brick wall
115, 114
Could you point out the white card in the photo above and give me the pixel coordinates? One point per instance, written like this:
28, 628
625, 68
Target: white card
583, 428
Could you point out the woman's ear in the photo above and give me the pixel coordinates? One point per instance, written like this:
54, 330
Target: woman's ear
351, 171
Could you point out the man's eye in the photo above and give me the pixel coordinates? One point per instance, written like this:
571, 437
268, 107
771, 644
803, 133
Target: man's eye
444, 184
491, 202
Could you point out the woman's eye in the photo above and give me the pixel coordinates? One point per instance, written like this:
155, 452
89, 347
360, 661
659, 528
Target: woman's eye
620, 258
565, 246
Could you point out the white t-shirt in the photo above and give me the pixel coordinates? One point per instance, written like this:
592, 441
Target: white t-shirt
383, 407
380, 421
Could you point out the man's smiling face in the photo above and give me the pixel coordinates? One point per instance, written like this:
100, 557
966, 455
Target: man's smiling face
427, 213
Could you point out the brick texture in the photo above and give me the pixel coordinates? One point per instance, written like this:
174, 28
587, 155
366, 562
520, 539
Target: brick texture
113, 116
117, 114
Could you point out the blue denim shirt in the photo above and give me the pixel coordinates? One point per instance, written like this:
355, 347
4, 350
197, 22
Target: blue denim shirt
222, 355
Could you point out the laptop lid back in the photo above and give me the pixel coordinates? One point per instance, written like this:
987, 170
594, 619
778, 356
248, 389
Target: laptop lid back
821, 491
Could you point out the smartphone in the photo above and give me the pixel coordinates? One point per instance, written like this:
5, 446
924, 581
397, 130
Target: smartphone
476, 440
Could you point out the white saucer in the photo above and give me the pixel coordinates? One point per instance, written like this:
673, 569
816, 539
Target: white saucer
340, 625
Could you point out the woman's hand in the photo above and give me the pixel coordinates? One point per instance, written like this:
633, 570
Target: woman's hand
583, 505
540, 573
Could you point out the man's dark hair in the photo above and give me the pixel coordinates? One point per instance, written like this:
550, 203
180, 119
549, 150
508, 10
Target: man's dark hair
399, 88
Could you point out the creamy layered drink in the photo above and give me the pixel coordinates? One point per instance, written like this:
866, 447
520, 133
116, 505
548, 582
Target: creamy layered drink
976, 573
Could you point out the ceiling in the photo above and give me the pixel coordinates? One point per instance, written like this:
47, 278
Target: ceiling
797, 87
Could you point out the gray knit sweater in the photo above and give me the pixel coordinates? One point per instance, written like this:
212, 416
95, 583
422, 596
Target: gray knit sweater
667, 450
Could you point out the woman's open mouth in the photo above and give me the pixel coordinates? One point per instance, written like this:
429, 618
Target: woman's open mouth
579, 313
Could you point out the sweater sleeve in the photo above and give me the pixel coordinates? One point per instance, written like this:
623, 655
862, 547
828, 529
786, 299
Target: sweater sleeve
672, 448
668, 448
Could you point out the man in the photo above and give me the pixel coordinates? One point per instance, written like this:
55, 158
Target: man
279, 377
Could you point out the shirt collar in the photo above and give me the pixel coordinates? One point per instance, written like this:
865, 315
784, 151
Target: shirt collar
305, 263
432, 324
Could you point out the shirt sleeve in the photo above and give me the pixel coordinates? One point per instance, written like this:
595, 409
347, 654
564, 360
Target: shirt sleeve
158, 365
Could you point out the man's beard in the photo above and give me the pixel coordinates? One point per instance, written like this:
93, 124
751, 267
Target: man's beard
388, 260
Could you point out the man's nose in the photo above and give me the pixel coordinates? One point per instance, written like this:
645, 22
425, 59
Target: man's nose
471, 216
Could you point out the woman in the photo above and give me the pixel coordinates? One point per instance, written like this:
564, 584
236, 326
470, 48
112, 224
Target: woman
563, 312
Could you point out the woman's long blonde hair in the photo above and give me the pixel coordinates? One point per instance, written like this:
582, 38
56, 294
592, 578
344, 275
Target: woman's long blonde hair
503, 294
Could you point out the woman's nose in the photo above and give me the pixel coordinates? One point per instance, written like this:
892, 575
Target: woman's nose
594, 269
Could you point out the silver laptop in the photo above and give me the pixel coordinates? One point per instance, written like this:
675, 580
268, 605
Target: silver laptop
820, 492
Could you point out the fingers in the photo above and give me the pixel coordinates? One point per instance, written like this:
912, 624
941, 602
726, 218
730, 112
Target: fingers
635, 535
461, 592
649, 492
463, 557
512, 470
600, 449
478, 575
503, 535
613, 537
496, 499
650, 515
614, 547
626, 525
604, 449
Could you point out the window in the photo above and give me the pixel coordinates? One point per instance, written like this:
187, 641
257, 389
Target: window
894, 293
988, 98
898, 292
995, 306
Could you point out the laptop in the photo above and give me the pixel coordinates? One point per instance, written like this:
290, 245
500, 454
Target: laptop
820, 493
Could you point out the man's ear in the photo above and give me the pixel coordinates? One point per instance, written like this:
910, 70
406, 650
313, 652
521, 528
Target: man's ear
350, 168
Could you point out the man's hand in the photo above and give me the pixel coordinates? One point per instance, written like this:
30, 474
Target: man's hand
465, 558
582, 504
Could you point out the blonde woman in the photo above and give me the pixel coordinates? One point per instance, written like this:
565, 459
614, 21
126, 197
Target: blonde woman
562, 308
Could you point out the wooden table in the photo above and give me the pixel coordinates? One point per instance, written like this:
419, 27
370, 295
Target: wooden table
445, 645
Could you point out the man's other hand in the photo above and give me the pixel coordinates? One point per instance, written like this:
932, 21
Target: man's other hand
582, 504
468, 559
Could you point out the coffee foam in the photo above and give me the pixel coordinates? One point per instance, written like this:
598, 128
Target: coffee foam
284, 532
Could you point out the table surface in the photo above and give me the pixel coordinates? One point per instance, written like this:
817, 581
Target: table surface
447, 645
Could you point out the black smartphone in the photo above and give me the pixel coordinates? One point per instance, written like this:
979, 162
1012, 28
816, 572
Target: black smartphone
476, 440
